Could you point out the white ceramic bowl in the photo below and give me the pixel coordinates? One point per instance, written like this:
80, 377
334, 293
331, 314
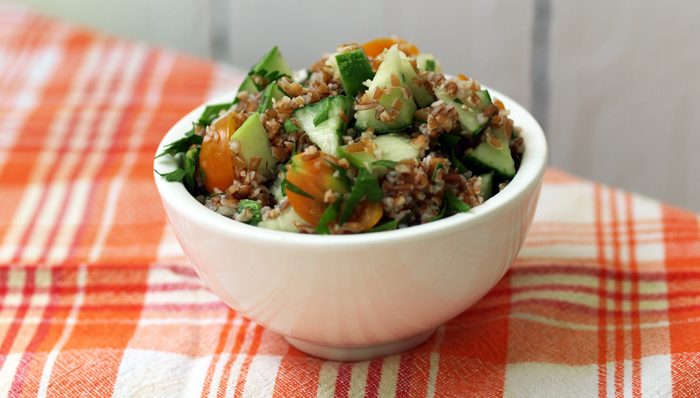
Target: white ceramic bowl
360, 296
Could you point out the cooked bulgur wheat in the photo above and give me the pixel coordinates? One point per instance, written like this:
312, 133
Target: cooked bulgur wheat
414, 190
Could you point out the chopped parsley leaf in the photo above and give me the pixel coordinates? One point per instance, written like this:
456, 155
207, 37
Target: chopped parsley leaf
453, 203
182, 145
328, 216
367, 186
388, 163
289, 186
322, 114
289, 126
211, 112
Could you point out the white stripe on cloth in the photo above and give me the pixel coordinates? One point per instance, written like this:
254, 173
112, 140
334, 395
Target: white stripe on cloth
115, 102
233, 375
43, 64
73, 138
358, 379
551, 380
657, 380
41, 298
262, 375
435, 361
146, 373
153, 97
236, 365
81, 283
27, 331
182, 297
390, 376
31, 198
16, 280
327, 378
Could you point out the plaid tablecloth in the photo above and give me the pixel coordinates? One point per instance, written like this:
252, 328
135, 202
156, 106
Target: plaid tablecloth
97, 298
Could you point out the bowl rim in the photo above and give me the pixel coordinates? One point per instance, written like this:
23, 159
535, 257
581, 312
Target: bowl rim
529, 175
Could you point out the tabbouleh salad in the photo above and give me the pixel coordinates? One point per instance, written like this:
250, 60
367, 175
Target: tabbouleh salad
370, 138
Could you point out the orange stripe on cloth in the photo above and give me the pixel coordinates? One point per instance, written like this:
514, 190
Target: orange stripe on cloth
610, 295
219, 349
602, 287
636, 335
240, 382
39, 337
477, 340
298, 375
58, 157
70, 217
99, 197
17, 172
91, 356
682, 242
136, 233
64, 286
619, 337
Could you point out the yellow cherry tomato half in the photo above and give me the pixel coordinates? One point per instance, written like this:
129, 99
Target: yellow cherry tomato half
314, 176
376, 46
214, 157
365, 216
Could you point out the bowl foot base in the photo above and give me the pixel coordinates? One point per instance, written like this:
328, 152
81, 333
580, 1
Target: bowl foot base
359, 353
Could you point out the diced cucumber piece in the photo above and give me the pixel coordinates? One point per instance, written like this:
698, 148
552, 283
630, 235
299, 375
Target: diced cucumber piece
394, 146
423, 60
276, 187
272, 65
421, 94
322, 121
391, 65
354, 68
333, 64
249, 86
485, 157
271, 93
467, 117
254, 206
254, 142
486, 185
289, 126
283, 222
358, 159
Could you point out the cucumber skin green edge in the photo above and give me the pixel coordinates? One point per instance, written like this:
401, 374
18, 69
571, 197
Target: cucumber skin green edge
503, 170
273, 58
354, 68
367, 119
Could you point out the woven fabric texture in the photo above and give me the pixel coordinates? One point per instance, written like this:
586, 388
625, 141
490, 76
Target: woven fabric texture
97, 298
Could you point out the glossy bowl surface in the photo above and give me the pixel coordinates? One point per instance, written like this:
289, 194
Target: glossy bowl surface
356, 297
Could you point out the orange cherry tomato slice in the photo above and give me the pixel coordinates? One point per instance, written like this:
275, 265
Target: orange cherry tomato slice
314, 176
500, 105
214, 157
365, 216
375, 47
462, 77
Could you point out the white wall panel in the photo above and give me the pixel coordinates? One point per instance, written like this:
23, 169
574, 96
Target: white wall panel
179, 24
623, 76
625, 95
487, 40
